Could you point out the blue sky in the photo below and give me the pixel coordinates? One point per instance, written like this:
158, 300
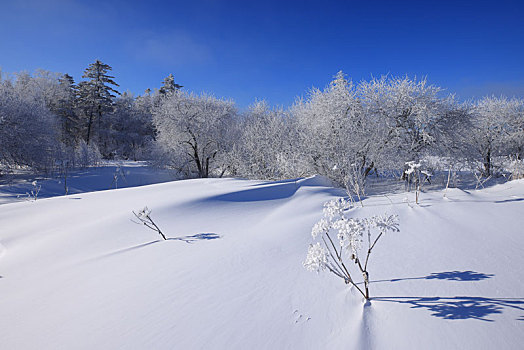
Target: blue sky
275, 50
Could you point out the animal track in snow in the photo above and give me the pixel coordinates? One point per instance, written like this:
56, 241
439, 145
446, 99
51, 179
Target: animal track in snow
299, 318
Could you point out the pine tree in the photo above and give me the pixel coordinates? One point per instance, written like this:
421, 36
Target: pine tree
64, 108
95, 96
169, 85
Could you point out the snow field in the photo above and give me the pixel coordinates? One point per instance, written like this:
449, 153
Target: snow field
77, 273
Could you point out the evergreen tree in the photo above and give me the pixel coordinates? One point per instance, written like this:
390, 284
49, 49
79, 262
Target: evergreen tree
64, 108
95, 96
169, 85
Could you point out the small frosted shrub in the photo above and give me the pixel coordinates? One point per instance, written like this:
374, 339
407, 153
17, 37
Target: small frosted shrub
340, 240
144, 217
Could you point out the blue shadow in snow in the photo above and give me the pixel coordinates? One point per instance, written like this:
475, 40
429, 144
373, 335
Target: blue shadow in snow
266, 193
288, 181
459, 308
273, 190
459, 276
194, 238
448, 275
510, 200
188, 239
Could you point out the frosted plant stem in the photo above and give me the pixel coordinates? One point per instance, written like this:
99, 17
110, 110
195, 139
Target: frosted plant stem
340, 258
340, 269
157, 228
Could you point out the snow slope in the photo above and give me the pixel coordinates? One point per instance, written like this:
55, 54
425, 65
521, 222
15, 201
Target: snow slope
77, 273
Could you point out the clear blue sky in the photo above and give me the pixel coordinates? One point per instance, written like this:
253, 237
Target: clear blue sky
275, 50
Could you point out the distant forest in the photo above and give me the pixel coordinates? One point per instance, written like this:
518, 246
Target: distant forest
346, 131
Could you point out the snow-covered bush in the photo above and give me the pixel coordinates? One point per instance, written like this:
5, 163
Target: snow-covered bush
413, 177
33, 194
86, 155
516, 168
355, 182
341, 239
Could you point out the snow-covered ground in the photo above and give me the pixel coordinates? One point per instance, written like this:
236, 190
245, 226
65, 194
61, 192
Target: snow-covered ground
109, 175
78, 273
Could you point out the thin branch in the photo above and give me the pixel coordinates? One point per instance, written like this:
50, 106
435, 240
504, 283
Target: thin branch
335, 260
370, 249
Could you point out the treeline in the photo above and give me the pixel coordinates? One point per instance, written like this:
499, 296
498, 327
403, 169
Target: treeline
47, 119
346, 131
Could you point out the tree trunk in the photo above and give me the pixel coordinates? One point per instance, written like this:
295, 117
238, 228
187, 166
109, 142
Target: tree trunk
487, 163
368, 169
89, 124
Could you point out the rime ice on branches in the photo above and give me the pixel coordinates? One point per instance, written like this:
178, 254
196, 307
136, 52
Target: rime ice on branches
341, 239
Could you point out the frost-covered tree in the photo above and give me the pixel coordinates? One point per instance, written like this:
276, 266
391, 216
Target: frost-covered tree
192, 131
337, 138
96, 97
328, 122
347, 132
28, 130
496, 129
407, 115
169, 85
265, 148
515, 122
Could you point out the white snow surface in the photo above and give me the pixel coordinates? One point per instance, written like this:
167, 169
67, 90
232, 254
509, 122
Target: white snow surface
77, 273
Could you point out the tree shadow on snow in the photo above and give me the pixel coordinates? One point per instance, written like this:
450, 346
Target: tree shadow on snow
459, 308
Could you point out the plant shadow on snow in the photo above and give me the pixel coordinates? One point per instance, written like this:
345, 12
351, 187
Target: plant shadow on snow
197, 237
448, 275
187, 239
453, 276
510, 200
458, 307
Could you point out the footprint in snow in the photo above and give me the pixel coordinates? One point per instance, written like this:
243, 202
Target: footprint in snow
299, 318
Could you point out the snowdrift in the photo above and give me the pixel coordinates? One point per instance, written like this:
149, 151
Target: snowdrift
78, 273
